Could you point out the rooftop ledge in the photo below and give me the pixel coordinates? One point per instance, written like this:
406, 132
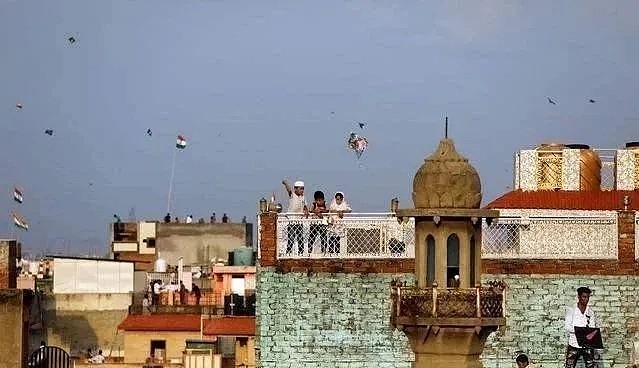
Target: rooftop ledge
447, 212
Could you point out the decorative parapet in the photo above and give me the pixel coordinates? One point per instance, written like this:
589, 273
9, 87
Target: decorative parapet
356, 235
626, 170
551, 235
527, 170
562, 169
571, 166
448, 303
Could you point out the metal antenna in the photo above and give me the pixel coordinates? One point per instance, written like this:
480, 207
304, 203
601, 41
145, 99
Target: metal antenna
446, 129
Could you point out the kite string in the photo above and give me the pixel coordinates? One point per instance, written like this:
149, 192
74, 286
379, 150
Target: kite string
168, 200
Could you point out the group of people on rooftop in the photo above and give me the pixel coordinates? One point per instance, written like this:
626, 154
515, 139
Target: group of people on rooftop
189, 219
317, 209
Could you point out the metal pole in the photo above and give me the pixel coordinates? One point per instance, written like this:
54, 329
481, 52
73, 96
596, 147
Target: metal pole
168, 199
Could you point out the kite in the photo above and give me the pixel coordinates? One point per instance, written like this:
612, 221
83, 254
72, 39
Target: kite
181, 142
357, 143
591, 100
361, 125
551, 101
149, 132
71, 39
17, 195
20, 222
18, 106
49, 132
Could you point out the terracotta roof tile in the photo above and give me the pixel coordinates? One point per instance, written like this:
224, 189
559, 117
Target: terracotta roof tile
596, 200
161, 322
230, 326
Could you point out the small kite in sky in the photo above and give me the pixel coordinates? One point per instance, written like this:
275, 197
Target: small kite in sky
592, 101
357, 143
361, 125
49, 132
149, 132
551, 101
18, 106
71, 39
181, 142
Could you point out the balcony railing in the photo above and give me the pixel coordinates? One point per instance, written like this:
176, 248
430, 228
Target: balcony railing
211, 303
356, 235
573, 237
477, 302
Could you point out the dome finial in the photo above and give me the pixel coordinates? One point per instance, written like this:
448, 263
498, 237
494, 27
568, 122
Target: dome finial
446, 129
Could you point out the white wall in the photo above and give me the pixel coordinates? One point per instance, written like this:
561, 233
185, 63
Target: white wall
72, 276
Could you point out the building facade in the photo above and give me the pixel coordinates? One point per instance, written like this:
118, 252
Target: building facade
571, 220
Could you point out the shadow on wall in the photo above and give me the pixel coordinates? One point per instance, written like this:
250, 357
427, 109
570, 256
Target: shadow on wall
69, 330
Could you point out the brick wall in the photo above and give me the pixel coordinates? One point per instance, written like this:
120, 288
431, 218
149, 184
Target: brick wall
8, 254
328, 320
336, 312
536, 309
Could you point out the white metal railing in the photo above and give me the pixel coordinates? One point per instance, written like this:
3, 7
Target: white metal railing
551, 238
356, 235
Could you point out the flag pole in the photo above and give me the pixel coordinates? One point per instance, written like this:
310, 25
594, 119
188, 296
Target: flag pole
168, 199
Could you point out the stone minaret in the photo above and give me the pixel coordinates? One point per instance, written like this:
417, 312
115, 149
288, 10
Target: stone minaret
447, 315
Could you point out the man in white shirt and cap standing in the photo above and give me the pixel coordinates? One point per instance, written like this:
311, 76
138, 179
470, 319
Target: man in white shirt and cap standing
580, 315
297, 205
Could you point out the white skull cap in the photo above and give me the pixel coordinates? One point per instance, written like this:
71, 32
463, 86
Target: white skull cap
298, 184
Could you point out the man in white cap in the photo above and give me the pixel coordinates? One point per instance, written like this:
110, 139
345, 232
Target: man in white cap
296, 205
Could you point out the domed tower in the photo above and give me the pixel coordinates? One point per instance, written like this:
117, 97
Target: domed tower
447, 315
447, 196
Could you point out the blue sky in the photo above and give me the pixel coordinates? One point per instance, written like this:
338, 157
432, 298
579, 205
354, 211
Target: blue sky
252, 86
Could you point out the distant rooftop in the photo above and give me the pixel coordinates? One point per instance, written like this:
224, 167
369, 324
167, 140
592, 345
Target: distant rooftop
88, 258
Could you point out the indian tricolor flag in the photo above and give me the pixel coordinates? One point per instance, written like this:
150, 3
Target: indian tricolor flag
20, 222
181, 142
17, 195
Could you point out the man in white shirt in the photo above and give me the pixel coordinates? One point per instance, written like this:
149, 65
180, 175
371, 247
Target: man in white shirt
580, 315
296, 205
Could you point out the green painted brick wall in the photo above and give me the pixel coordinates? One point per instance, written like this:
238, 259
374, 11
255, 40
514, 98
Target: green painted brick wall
343, 320
535, 312
328, 320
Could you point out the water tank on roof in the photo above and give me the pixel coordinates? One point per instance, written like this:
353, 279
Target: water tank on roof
549, 156
589, 167
243, 256
632, 145
160, 265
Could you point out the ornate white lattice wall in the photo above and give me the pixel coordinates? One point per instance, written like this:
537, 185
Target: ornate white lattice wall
571, 160
516, 172
626, 161
527, 170
551, 234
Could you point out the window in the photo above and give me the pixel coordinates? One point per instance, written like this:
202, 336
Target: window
158, 348
452, 259
473, 254
430, 260
150, 242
